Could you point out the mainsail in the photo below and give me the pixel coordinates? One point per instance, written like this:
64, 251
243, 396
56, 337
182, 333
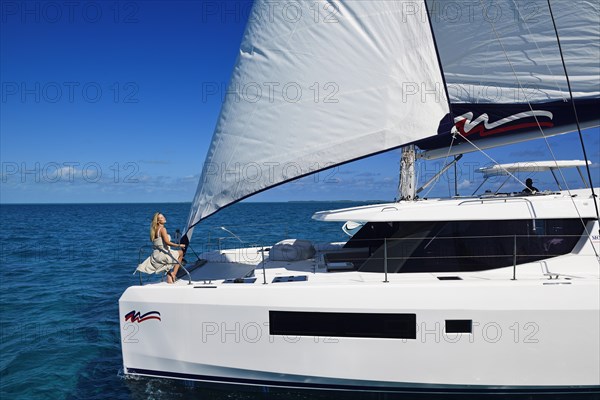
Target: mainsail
318, 84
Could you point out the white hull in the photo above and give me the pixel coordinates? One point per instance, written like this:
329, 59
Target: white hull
525, 334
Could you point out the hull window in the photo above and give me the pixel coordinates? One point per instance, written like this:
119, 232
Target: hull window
326, 324
459, 326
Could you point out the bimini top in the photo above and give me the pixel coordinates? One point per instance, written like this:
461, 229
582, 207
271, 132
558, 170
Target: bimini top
531, 166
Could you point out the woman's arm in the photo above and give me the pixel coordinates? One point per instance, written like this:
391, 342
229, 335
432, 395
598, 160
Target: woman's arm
165, 238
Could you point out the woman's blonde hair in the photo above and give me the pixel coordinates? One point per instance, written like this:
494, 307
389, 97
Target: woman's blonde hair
154, 226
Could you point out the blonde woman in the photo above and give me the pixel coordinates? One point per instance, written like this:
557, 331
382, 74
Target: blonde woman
163, 257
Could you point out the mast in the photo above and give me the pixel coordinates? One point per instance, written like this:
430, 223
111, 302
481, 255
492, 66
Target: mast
407, 185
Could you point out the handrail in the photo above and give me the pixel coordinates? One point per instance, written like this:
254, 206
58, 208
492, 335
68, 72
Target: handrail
170, 255
499, 199
505, 199
456, 237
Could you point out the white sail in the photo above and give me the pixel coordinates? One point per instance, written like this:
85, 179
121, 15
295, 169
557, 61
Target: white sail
317, 85
506, 51
505, 74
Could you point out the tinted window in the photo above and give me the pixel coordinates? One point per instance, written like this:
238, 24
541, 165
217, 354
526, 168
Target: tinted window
328, 324
459, 326
459, 245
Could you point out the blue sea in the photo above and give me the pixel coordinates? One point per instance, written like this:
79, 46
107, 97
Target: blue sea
64, 268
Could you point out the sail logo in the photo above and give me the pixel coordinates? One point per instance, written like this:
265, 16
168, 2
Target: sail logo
467, 126
134, 316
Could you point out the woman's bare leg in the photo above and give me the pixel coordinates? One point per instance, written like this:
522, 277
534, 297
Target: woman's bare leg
172, 275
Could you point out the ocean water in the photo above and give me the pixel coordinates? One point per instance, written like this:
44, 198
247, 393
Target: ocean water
64, 268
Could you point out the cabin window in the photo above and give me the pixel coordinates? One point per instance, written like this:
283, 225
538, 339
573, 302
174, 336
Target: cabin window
457, 246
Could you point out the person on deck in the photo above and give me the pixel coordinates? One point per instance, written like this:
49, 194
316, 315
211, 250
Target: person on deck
529, 188
163, 256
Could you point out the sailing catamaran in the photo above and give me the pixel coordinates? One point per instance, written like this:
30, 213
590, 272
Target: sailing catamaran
498, 291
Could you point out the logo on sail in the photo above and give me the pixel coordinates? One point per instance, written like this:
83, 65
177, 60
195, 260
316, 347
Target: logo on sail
134, 316
467, 126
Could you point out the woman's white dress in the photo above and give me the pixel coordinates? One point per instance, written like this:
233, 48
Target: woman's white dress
162, 259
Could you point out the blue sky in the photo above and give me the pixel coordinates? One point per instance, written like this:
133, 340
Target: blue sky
113, 102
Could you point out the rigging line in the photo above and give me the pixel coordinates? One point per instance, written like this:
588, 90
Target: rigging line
543, 135
587, 166
528, 102
526, 98
445, 162
538, 48
491, 158
485, 64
